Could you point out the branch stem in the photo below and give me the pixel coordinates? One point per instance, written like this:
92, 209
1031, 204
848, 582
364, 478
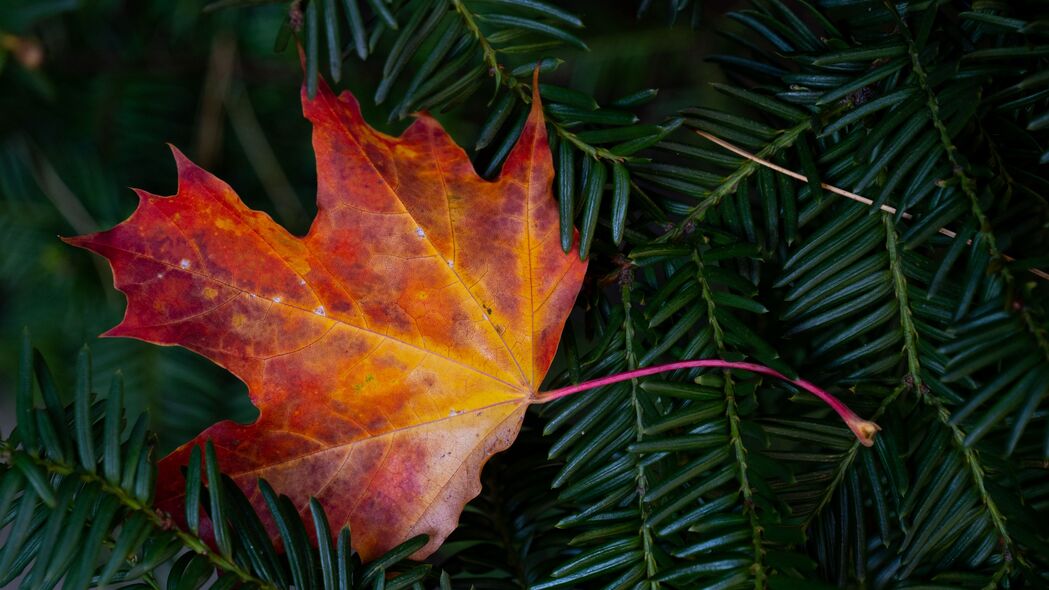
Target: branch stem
641, 476
863, 429
730, 183
224, 564
490, 55
839, 191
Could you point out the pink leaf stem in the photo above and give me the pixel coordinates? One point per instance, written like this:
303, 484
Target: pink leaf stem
863, 429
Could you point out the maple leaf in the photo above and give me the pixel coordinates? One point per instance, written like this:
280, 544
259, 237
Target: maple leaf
392, 350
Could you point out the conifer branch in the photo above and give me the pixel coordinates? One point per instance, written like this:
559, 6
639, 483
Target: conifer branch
899, 283
160, 522
836, 190
966, 182
782, 141
490, 55
976, 472
655, 480
739, 450
645, 530
848, 458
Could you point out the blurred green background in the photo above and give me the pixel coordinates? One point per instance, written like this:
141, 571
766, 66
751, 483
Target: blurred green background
90, 91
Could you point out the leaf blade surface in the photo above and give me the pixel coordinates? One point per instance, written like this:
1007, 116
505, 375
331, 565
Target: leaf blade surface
392, 349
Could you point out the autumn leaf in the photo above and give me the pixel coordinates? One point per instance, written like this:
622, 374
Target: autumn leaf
390, 351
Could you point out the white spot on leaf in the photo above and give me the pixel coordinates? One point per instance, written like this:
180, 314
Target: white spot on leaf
319, 310
184, 263
419, 232
278, 299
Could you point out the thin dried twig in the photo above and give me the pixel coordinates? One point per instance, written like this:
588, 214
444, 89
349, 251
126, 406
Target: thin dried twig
838, 191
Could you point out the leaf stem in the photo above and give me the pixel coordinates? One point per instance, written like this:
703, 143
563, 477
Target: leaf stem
863, 429
846, 461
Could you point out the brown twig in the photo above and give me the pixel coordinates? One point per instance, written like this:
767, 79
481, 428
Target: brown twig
838, 191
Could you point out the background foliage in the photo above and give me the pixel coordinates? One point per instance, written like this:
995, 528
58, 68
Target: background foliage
697, 479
